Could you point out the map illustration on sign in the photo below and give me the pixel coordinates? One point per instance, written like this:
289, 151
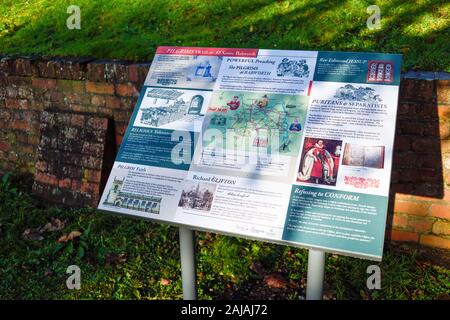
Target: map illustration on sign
253, 117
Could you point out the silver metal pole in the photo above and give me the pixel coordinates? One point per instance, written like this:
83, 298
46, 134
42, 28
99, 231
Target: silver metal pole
316, 270
188, 270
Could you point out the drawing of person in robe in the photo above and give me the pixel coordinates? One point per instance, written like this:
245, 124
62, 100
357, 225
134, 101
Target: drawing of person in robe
317, 165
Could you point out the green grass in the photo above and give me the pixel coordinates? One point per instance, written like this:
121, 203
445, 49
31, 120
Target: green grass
122, 258
132, 29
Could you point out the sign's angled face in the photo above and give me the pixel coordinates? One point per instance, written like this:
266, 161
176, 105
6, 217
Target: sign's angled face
293, 147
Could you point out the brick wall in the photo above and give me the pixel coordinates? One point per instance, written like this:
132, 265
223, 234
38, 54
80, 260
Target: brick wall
420, 193
420, 189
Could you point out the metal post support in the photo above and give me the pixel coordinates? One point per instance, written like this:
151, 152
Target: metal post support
316, 270
188, 267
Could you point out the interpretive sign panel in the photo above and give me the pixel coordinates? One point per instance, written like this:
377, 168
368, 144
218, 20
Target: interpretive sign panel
292, 147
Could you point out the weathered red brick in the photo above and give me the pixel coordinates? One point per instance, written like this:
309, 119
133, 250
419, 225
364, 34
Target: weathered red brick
89, 187
78, 98
65, 183
444, 130
92, 148
417, 90
46, 179
420, 225
91, 162
443, 91
412, 207
119, 139
23, 67
12, 92
400, 221
46, 69
25, 93
41, 166
435, 241
19, 81
93, 176
443, 112
125, 90
4, 146
19, 125
43, 83
120, 129
143, 69
398, 235
57, 97
441, 211
133, 75
98, 123
77, 107
104, 112
64, 85
100, 88
98, 101
441, 228
113, 102
25, 149
116, 72
445, 146
96, 72
77, 120
122, 116
17, 103
76, 185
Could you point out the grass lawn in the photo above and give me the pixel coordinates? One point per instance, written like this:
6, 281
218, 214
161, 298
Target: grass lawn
122, 258
132, 29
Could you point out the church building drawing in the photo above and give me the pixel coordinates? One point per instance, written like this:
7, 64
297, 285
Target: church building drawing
127, 200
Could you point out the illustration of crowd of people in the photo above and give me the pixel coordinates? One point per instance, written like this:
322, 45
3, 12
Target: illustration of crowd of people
318, 164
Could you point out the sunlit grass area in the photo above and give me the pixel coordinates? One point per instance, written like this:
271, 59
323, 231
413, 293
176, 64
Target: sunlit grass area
132, 29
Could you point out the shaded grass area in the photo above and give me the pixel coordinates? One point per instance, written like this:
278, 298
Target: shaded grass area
122, 258
132, 30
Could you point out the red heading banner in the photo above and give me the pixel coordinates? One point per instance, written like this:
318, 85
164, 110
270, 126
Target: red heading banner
227, 52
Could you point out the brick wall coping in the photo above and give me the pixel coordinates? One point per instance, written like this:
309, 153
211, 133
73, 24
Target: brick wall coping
411, 74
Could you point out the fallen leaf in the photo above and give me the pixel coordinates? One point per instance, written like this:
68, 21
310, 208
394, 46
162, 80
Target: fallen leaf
165, 282
276, 280
68, 237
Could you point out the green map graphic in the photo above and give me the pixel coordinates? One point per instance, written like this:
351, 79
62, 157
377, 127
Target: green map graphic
256, 117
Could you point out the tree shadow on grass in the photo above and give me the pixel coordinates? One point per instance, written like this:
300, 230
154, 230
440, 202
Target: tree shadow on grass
134, 30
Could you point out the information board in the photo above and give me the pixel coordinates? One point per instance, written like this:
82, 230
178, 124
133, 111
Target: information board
291, 147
